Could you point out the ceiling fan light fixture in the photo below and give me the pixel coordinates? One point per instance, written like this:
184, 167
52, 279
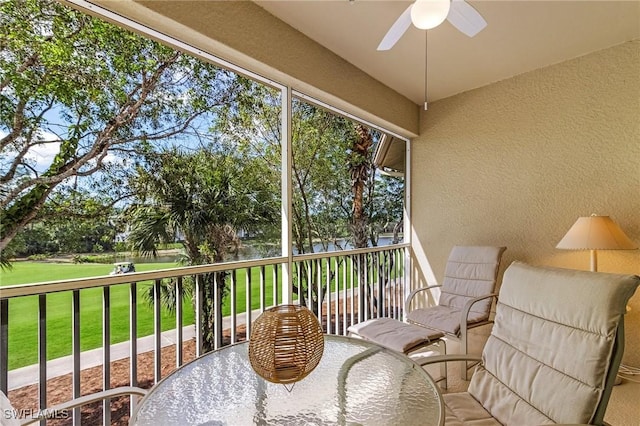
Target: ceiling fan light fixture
428, 14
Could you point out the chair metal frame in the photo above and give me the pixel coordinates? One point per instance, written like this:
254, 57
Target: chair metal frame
51, 412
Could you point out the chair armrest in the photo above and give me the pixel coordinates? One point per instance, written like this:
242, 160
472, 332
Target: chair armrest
84, 400
446, 358
464, 313
416, 291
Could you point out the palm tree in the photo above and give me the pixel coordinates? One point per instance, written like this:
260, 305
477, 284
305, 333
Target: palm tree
200, 198
361, 169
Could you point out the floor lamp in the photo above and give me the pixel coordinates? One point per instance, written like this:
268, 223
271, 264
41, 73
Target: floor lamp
595, 233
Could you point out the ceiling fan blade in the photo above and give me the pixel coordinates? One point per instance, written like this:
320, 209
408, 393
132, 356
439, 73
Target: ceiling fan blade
397, 30
465, 18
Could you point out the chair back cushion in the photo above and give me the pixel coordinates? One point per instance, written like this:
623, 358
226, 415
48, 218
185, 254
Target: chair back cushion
8, 415
471, 272
552, 346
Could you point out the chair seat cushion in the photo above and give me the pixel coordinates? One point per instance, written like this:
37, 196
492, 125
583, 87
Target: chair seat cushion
394, 334
444, 318
463, 409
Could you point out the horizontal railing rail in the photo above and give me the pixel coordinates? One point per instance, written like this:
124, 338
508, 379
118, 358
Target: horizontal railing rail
220, 300
350, 252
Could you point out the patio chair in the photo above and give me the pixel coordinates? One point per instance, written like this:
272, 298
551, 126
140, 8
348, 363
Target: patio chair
467, 293
465, 302
553, 353
9, 416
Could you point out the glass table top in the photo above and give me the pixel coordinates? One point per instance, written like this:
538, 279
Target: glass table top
355, 383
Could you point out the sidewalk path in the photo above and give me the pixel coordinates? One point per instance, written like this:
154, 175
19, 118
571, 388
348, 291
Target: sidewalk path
29, 375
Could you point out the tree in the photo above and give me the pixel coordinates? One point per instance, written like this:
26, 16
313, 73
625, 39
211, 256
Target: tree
70, 222
95, 94
319, 179
386, 213
203, 197
321, 185
333, 176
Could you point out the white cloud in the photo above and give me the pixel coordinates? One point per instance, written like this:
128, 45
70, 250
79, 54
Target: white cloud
42, 154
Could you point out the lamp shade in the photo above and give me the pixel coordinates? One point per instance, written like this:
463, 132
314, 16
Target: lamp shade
427, 14
596, 233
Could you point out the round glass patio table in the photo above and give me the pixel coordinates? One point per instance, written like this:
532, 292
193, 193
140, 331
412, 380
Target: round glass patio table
355, 383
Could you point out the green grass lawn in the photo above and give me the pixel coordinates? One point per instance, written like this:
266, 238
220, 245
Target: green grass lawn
23, 311
36, 272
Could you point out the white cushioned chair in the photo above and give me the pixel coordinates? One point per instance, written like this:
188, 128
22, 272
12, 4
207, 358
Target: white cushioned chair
553, 353
467, 293
9, 415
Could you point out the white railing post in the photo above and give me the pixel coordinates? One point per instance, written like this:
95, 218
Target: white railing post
157, 332
248, 307
217, 303
133, 342
75, 347
287, 195
106, 353
407, 226
234, 311
42, 352
179, 322
4, 345
199, 295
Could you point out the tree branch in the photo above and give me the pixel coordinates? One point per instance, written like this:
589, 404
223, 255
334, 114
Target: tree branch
18, 125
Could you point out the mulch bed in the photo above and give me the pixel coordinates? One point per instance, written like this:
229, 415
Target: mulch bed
59, 389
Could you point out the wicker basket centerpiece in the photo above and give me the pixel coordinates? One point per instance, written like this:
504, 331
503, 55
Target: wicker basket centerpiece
286, 344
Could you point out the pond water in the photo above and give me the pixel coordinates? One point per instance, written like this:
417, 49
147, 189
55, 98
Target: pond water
250, 251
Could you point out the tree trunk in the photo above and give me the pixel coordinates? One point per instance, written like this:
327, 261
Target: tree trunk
360, 170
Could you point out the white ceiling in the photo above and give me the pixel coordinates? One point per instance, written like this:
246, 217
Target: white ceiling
521, 36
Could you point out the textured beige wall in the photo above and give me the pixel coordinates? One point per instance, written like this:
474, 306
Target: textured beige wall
517, 162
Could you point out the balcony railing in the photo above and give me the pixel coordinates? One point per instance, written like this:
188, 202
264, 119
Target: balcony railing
342, 288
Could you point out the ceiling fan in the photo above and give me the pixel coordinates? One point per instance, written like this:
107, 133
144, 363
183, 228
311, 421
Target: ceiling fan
427, 14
